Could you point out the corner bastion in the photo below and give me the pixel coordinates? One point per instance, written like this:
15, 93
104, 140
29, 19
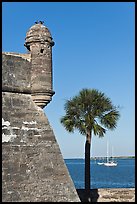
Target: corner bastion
33, 169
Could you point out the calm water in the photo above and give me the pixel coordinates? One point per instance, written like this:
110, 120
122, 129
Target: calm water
121, 176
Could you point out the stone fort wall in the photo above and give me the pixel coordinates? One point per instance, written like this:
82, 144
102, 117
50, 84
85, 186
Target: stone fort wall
33, 169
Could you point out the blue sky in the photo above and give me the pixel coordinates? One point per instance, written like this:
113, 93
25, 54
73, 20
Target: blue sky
94, 48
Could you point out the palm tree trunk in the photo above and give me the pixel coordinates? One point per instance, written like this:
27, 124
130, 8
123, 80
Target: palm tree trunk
87, 164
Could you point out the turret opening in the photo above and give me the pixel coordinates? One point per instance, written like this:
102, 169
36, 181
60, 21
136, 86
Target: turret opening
42, 50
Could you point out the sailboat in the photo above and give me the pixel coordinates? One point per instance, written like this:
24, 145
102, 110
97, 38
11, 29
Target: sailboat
100, 163
109, 162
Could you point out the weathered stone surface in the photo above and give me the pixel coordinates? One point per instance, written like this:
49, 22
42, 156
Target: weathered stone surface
16, 73
116, 195
33, 167
26, 56
39, 42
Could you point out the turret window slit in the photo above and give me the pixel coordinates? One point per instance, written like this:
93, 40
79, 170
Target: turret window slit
42, 50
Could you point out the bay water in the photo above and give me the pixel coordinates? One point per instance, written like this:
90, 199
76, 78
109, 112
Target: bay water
120, 176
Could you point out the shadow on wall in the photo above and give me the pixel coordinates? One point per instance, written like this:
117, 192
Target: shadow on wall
84, 196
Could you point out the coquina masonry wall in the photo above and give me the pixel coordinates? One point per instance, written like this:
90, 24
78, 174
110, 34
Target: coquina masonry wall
33, 169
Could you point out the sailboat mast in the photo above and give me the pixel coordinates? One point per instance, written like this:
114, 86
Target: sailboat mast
107, 153
112, 155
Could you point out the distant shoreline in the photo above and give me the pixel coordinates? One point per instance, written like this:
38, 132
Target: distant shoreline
116, 157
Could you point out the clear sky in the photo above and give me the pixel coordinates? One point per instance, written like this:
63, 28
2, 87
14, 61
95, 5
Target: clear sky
94, 48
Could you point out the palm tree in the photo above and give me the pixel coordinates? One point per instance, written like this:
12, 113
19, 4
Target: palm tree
89, 112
